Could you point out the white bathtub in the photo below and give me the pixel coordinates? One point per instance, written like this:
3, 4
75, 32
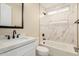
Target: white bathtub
59, 49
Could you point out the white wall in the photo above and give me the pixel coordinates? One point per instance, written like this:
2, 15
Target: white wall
31, 17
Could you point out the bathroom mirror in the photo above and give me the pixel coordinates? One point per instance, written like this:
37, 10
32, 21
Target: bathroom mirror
11, 15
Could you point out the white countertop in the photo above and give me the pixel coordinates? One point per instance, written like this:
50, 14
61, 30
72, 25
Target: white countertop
6, 45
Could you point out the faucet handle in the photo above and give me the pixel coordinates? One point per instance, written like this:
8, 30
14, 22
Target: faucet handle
18, 35
43, 34
8, 36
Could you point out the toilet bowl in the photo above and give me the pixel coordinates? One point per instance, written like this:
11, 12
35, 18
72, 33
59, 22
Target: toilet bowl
42, 51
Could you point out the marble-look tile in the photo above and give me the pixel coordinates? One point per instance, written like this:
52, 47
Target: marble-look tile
60, 27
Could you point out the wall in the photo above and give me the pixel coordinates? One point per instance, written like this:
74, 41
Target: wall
31, 21
31, 17
60, 27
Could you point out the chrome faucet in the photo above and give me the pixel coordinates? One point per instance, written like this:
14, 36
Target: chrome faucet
14, 32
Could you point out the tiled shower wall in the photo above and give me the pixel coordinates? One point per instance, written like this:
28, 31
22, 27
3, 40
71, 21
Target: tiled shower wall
60, 27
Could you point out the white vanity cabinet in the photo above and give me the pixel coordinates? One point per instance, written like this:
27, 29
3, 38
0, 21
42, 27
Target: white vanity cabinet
26, 50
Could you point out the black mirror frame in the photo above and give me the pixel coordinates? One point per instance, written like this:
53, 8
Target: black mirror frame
17, 27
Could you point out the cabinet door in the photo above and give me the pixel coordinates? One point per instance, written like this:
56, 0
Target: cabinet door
30, 52
27, 50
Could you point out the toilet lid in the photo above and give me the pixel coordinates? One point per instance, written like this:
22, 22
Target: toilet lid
42, 49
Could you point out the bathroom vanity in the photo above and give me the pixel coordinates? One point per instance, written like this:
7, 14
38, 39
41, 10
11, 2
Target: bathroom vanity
24, 46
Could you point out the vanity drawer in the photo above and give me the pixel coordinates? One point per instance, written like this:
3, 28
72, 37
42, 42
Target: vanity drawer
28, 49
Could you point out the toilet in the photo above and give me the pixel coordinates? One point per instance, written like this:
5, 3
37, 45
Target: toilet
42, 51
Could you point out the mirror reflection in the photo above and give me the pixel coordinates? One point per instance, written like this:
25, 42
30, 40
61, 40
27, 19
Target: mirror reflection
10, 14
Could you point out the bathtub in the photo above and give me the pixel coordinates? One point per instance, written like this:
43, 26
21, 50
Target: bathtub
59, 49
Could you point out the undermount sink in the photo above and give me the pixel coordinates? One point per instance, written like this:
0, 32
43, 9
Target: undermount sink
6, 45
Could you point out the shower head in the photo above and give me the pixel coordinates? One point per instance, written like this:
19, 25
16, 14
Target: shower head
44, 13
